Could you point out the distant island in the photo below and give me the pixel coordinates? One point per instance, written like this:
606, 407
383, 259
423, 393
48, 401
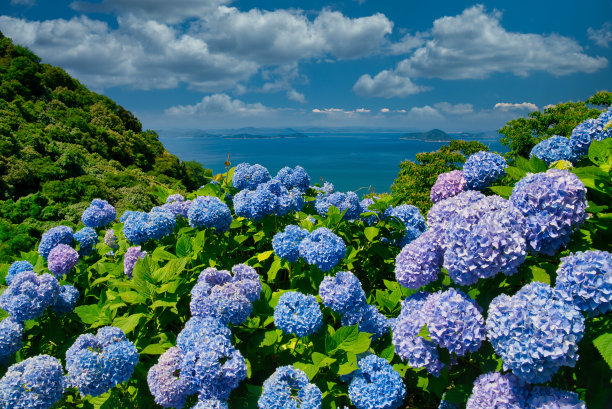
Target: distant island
257, 136
435, 135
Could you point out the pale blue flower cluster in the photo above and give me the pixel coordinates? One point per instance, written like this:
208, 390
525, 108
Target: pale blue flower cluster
495, 390
289, 388
249, 177
298, 314
322, 248
95, 364
286, 243
139, 227
554, 204
62, 259
443, 211
16, 268
348, 202
11, 333
127, 214
376, 385
420, 261
588, 131
177, 205
268, 198
297, 177
197, 330
29, 295
130, 258
53, 237
412, 219
87, 238
209, 212
447, 185
483, 168
66, 299
34, 383
585, 278
535, 331
99, 214
545, 397
553, 149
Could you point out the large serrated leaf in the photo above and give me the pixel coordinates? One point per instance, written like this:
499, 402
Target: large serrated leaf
129, 323
88, 313
603, 343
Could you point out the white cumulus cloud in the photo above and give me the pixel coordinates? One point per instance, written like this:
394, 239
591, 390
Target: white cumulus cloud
523, 106
218, 104
603, 36
386, 84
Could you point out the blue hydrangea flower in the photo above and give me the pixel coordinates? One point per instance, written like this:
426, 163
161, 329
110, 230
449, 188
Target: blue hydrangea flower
268, 198
412, 219
495, 390
249, 177
95, 364
545, 397
535, 331
483, 168
130, 258
99, 214
342, 292
364, 204
376, 385
289, 388
323, 249
139, 227
298, 314
554, 149
87, 237
348, 202
585, 278
209, 212
211, 404
34, 383
127, 214
297, 177
286, 243
198, 329
16, 268
177, 205
326, 189
370, 320
53, 237
584, 134
443, 211
11, 334
420, 261
444, 404
62, 259
110, 239
29, 295
66, 299
247, 278
169, 386
554, 204
447, 185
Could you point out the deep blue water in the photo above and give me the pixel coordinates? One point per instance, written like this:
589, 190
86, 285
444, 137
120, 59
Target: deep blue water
355, 162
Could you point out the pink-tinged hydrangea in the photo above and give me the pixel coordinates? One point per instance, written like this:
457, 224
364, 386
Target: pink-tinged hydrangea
298, 314
420, 261
342, 292
209, 212
348, 202
294, 178
130, 258
169, 386
99, 214
554, 149
323, 249
443, 211
535, 332
376, 385
495, 390
286, 243
447, 185
29, 295
62, 259
11, 334
16, 268
545, 397
554, 204
483, 168
53, 237
289, 388
249, 177
585, 278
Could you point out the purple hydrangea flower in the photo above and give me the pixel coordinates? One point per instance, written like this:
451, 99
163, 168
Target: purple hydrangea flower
420, 261
495, 390
29, 295
87, 238
11, 334
99, 214
447, 185
323, 249
545, 397
348, 202
62, 259
247, 278
130, 258
286, 243
209, 212
177, 205
298, 314
53, 237
443, 211
169, 386
483, 168
376, 385
16, 268
289, 387
553, 149
249, 177
66, 299
294, 178
342, 292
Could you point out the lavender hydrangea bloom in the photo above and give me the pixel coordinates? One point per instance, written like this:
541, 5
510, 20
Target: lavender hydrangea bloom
66, 299
286, 243
585, 278
535, 331
495, 390
420, 261
99, 214
177, 205
348, 202
584, 134
443, 211
11, 334
412, 219
483, 168
62, 259
342, 292
29, 295
544, 397
376, 385
197, 331
169, 386
447, 185
139, 227
110, 239
209, 212
554, 204
554, 149
298, 314
249, 177
87, 238
34, 383
53, 237
294, 178
130, 258
278, 391
16, 268
95, 364
323, 249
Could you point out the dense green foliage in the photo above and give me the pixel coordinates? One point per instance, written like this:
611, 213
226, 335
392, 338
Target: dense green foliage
62, 145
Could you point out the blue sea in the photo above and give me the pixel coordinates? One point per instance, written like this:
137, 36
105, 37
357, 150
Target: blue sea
357, 161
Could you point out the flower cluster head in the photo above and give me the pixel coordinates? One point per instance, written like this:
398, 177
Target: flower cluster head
99, 214
62, 259
443, 211
554, 204
224, 296
585, 133
342, 292
495, 390
370, 320
87, 238
483, 168
412, 219
110, 239
545, 397
53, 237
365, 204
535, 331
268, 198
420, 261
249, 177
447, 185
326, 189
297, 177
211, 404
95, 364
348, 202
130, 258
177, 205
483, 239
29, 295
585, 278
11, 334
66, 299
34, 383
298, 314
168, 385
554, 149
198, 330
139, 227
289, 388
209, 212
286, 243
16, 268
376, 385
323, 249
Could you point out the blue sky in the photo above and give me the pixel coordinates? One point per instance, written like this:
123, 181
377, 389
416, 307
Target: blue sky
397, 64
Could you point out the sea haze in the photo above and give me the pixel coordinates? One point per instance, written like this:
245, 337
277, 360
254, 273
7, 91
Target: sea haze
357, 161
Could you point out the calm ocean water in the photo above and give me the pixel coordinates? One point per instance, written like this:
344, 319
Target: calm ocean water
357, 162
